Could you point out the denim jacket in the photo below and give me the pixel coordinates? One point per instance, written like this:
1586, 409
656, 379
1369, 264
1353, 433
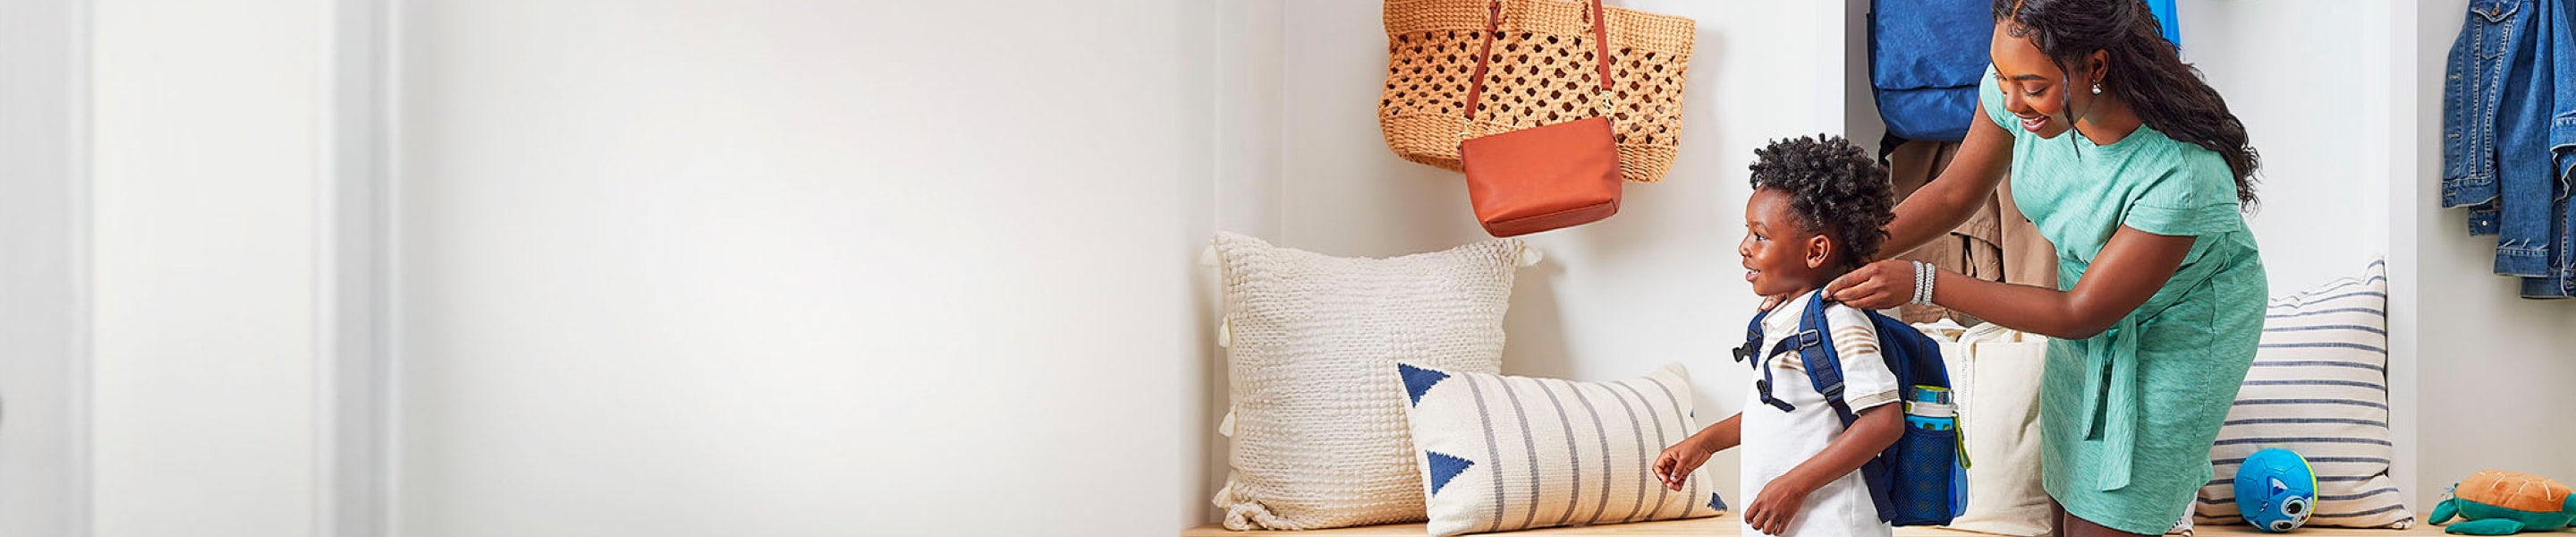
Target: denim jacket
2506, 125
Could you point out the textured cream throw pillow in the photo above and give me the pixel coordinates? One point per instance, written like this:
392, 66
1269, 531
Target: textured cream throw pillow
1318, 424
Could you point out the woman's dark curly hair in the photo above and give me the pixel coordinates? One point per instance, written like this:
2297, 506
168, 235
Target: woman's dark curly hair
1836, 189
2143, 69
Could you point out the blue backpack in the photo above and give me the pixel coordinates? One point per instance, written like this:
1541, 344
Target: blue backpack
1922, 479
1925, 57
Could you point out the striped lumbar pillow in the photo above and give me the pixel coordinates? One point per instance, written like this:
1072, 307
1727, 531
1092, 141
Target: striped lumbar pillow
1502, 453
2319, 387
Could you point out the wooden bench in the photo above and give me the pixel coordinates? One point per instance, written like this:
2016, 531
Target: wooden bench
1726, 525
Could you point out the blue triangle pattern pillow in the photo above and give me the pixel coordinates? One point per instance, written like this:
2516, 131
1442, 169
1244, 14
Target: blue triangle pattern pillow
1503, 453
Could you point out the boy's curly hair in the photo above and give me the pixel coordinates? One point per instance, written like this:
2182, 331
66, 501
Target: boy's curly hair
1836, 189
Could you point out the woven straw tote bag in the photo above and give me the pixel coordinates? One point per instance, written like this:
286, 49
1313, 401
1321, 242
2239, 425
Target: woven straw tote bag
1542, 73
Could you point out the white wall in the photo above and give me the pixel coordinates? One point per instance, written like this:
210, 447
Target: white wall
802, 267
44, 439
1250, 110
204, 221
2289, 71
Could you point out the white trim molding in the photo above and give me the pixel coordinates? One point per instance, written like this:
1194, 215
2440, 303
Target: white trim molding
355, 488
45, 485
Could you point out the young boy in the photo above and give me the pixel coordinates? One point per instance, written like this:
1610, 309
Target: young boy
1817, 211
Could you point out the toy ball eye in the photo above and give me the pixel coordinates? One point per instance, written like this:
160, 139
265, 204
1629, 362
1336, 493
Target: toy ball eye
2295, 507
2282, 526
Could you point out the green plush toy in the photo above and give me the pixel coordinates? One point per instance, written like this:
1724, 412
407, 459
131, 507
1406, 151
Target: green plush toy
2498, 502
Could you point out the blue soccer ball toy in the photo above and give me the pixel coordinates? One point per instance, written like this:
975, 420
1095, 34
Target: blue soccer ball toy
2276, 490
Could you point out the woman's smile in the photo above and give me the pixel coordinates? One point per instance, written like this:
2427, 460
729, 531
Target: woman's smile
2034, 124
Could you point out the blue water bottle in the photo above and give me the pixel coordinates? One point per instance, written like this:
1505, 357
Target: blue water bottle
1929, 408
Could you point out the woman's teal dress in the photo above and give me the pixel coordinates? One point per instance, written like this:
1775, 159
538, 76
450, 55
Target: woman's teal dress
2127, 416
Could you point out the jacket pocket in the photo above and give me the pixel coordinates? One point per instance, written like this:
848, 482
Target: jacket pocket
2495, 25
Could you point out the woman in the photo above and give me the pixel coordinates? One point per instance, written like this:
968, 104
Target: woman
2138, 173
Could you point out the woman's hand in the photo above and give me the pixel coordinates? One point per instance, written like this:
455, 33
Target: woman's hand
1777, 506
1876, 286
1675, 465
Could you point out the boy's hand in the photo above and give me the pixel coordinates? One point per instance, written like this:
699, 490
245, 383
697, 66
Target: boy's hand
1876, 286
1771, 512
1675, 465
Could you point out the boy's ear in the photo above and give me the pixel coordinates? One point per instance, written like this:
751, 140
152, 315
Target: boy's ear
1820, 251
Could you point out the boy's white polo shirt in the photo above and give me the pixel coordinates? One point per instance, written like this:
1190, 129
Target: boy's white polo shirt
1776, 441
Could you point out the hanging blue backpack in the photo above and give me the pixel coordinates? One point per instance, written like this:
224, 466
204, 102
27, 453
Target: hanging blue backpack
1922, 479
1925, 57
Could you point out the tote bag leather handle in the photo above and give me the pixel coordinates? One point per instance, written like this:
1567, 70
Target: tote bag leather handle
1598, 20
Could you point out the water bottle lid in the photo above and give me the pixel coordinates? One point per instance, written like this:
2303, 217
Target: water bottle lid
1928, 394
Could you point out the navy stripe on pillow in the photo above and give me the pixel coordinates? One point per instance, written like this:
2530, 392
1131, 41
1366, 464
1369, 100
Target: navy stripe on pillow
2320, 497
2370, 329
2326, 345
2297, 421
2371, 311
2352, 402
2380, 386
2321, 363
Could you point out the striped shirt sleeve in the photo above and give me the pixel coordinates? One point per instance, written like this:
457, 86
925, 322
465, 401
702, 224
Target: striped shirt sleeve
1867, 382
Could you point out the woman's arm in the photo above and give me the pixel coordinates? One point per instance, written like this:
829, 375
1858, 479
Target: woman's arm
2128, 271
1876, 428
1944, 203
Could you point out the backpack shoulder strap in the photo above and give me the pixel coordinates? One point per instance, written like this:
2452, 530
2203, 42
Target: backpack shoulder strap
1752, 348
1752, 351
1824, 364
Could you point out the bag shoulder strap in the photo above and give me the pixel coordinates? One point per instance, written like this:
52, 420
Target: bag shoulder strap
1485, 52
1824, 364
1808, 338
1600, 21
1825, 369
1601, 49
1752, 349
